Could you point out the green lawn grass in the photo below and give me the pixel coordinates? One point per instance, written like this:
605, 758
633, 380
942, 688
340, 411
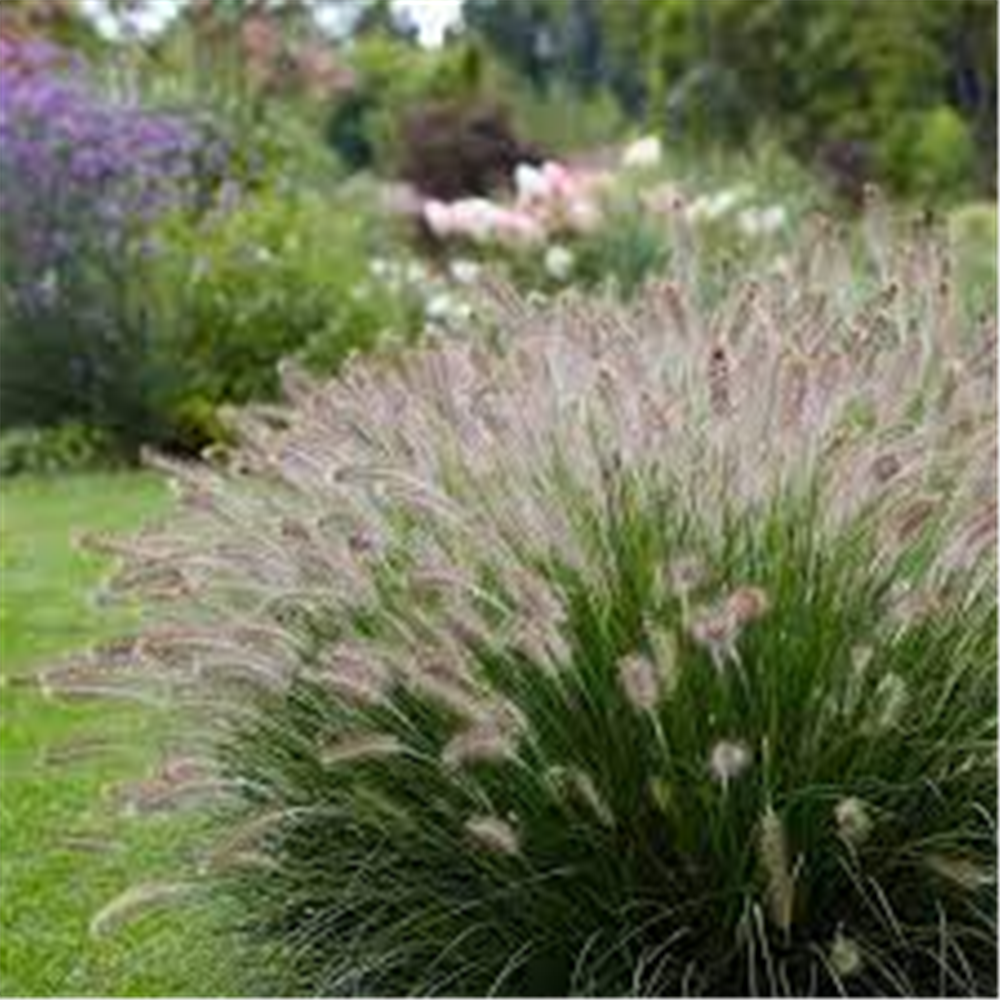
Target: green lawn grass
52, 885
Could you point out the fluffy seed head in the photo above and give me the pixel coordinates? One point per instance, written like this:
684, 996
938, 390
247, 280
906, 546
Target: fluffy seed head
494, 834
716, 629
490, 738
640, 681
686, 574
961, 871
136, 902
747, 604
891, 698
365, 747
728, 760
773, 851
845, 956
854, 822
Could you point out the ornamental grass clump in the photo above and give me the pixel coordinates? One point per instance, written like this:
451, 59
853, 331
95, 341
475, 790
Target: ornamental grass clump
651, 653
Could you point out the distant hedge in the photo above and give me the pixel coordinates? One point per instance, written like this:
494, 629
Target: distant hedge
901, 93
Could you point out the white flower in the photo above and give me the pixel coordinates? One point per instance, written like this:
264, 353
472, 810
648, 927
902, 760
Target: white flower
712, 207
530, 183
440, 218
443, 307
773, 218
754, 222
643, 154
728, 760
414, 273
464, 271
48, 286
439, 307
746, 222
559, 262
379, 267
721, 204
475, 218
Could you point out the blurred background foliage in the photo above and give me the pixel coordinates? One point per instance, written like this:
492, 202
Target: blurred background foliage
317, 133
904, 93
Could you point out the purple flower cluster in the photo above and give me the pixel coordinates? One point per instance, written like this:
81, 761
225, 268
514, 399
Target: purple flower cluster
83, 175
80, 172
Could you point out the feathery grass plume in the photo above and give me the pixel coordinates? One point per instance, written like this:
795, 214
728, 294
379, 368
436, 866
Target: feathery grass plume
640, 681
667, 656
580, 785
136, 902
455, 553
491, 736
493, 833
728, 760
845, 956
772, 847
854, 822
966, 874
178, 784
368, 746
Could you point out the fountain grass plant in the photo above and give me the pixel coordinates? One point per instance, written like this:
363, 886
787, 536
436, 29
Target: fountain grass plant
653, 652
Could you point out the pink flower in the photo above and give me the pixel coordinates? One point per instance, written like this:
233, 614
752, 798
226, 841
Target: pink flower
562, 182
518, 229
476, 219
439, 217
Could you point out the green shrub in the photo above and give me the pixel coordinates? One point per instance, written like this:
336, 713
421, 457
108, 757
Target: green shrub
632, 247
67, 447
933, 154
393, 77
653, 654
707, 106
904, 82
283, 272
562, 122
973, 234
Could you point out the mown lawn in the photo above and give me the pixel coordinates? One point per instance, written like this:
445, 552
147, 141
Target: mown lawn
64, 852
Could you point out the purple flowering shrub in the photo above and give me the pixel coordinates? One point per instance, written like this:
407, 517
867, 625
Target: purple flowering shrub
83, 176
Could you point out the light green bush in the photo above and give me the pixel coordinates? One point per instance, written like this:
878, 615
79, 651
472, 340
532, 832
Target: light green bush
66, 447
392, 78
972, 230
282, 272
562, 122
933, 153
